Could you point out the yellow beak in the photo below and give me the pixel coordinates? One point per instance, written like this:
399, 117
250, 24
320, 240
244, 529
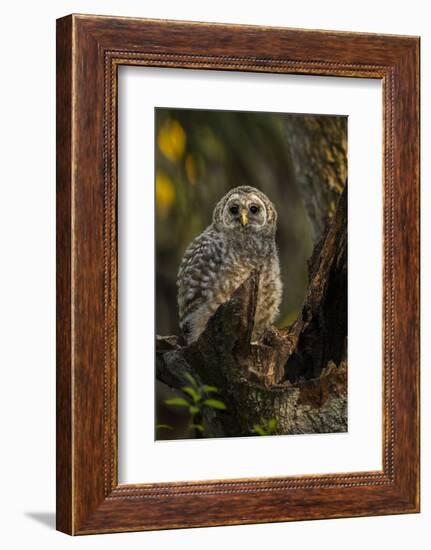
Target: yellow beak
244, 217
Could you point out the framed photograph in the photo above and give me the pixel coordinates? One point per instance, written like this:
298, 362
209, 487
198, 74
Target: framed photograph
237, 274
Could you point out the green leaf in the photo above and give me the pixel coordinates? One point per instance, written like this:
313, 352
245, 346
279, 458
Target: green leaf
193, 393
272, 424
258, 430
193, 409
209, 389
191, 380
215, 404
197, 427
179, 401
163, 427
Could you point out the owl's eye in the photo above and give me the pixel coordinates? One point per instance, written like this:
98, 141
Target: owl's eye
234, 209
254, 209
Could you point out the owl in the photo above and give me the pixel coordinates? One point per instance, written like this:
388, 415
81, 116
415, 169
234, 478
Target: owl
240, 239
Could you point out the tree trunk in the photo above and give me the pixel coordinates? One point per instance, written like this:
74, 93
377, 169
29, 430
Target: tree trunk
318, 150
298, 374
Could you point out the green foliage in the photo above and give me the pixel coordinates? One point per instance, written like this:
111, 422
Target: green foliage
215, 404
196, 399
209, 389
179, 401
192, 380
191, 392
163, 427
267, 427
258, 430
198, 427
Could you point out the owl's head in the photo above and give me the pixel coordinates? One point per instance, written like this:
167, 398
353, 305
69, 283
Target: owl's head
245, 209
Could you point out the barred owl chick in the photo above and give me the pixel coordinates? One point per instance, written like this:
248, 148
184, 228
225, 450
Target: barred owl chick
240, 239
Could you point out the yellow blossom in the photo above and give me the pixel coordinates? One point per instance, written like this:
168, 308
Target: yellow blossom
165, 194
190, 165
172, 140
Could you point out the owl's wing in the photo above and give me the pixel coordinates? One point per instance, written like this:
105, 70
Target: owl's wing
209, 274
198, 279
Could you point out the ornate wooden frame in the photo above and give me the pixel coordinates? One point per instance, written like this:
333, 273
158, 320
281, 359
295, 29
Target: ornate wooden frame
89, 51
